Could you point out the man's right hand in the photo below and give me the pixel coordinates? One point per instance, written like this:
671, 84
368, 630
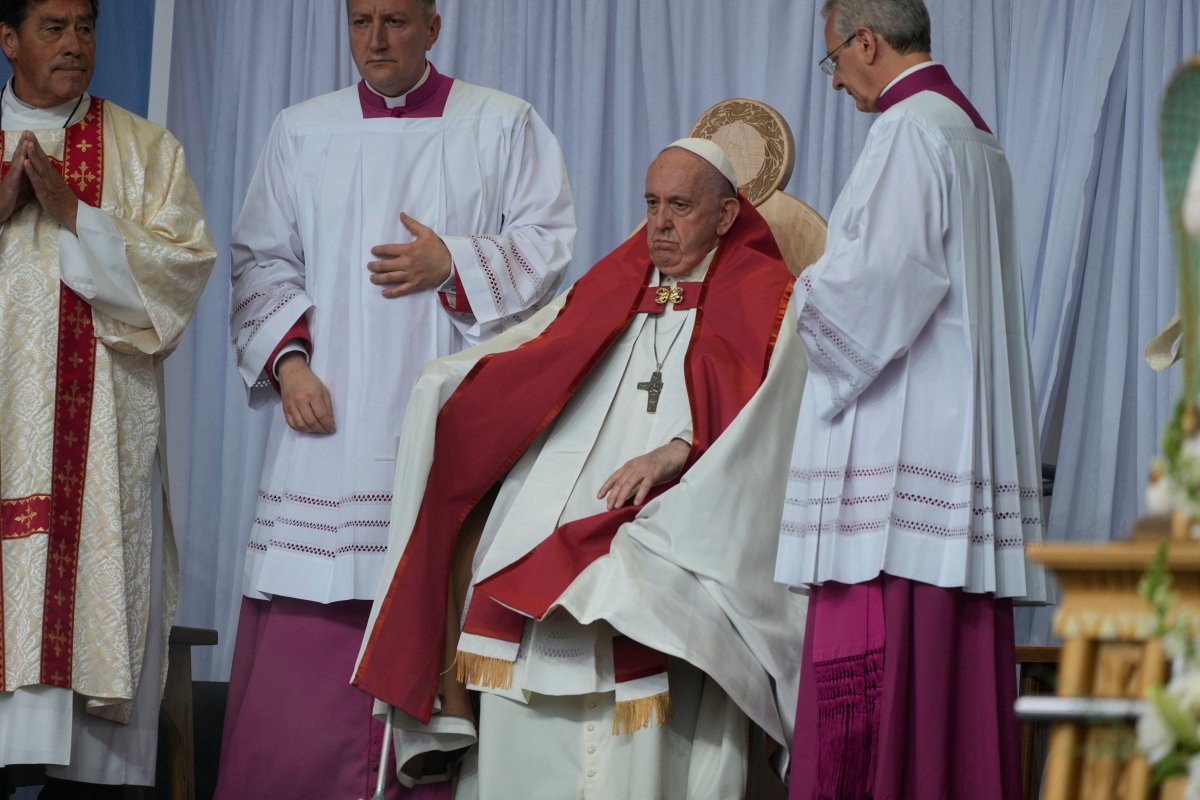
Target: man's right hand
15, 189
306, 402
635, 479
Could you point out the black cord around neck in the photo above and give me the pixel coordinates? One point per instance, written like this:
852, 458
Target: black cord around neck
65, 123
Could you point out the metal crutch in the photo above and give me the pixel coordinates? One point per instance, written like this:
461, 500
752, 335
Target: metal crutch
381, 780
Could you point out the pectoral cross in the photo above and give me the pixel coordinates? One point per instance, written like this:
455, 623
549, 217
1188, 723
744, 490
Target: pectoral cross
653, 389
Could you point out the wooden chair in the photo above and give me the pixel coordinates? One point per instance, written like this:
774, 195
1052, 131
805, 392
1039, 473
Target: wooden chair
175, 717
759, 143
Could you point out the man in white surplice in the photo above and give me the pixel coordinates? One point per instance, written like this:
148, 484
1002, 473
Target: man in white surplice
602, 594
915, 480
104, 252
387, 224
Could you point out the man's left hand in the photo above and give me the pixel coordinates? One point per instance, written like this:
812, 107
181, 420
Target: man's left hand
51, 191
423, 263
641, 474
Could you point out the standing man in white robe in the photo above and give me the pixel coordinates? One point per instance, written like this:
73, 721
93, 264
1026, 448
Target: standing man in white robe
915, 481
387, 224
104, 251
607, 590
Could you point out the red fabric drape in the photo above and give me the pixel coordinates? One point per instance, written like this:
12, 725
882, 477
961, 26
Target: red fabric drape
479, 437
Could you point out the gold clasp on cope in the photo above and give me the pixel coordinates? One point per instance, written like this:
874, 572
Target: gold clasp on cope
668, 294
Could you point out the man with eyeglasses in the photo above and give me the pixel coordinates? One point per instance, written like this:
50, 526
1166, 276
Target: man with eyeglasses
915, 472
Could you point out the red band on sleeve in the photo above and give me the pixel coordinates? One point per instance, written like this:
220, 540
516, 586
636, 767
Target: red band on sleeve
462, 305
297, 333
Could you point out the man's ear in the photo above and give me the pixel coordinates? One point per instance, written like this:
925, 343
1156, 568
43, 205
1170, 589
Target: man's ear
869, 41
8, 40
433, 31
730, 208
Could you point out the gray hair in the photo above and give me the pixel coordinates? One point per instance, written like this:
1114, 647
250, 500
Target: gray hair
903, 24
428, 8
720, 185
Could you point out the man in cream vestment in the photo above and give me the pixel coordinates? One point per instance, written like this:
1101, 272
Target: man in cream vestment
103, 254
621, 627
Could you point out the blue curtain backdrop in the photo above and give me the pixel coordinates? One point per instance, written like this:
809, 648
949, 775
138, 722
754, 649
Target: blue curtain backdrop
1071, 87
124, 34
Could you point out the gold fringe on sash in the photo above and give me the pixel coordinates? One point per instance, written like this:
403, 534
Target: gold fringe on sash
485, 671
630, 716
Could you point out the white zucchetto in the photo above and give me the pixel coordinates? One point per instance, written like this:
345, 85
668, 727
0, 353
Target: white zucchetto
711, 152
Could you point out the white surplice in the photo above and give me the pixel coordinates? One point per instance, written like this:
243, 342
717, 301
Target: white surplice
488, 177
916, 452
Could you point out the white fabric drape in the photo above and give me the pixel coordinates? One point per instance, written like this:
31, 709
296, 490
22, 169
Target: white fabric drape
1071, 88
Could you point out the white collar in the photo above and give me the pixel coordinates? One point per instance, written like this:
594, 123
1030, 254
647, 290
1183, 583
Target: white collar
908, 72
20, 116
398, 102
696, 273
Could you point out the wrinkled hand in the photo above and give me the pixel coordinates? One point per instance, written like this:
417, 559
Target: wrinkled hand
306, 403
641, 474
51, 191
15, 190
406, 268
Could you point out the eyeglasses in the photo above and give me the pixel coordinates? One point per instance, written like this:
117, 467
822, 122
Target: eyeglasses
827, 64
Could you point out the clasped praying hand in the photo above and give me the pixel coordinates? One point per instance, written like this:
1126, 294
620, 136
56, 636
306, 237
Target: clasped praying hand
33, 175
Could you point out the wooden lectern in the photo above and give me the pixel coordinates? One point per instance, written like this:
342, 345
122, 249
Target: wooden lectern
1110, 659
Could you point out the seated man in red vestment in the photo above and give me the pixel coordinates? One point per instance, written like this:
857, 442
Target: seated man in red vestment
607, 478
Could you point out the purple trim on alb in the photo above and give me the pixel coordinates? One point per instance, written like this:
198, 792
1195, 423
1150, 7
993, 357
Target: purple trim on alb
930, 79
427, 100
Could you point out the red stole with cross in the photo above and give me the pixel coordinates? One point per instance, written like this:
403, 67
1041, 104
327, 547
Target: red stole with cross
59, 514
743, 299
